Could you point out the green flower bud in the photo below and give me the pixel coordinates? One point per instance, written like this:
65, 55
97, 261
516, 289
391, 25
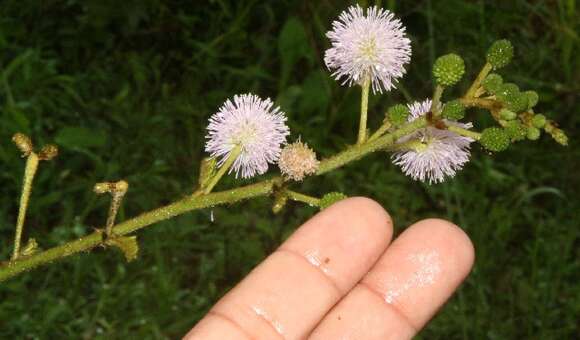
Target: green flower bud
515, 130
533, 133
492, 83
453, 110
558, 135
510, 95
539, 121
532, 98
494, 139
507, 114
331, 198
448, 69
500, 53
519, 103
398, 114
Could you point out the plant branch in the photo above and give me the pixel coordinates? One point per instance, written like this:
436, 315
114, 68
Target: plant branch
200, 201
298, 197
95, 239
477, 82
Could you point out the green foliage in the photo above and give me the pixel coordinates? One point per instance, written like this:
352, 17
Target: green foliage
146, 75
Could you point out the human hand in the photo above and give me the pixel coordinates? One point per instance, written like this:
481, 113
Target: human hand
338, 277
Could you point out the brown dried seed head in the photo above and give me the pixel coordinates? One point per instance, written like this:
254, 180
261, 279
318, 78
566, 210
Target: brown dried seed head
121, 187
23, 143
48, 152
101, 188
297, 160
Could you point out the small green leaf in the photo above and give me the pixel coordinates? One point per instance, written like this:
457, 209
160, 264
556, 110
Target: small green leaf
206, 170
127, 244
30, 248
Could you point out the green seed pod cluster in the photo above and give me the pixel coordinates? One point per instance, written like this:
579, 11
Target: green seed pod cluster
453, 110
492, 83
507, 114
398, 114
515, 130
448, 69
532, 98
494, 139
500, 53
533, 133
539, 121
330, 198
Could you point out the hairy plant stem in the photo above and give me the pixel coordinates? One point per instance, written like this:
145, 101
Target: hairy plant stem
464, 132
477, 82
200, 201
116, 199
29, 172
436, 103
221, 172
364, 107
380, 131
358, 151
298, 197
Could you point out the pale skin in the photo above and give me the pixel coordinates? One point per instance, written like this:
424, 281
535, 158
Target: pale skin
339, 276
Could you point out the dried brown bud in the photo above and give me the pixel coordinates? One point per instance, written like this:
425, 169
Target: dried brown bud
23, 143
48, 152
297, 160
101, 188
121, 187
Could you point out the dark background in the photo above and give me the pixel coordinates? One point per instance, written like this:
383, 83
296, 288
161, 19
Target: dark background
125, 89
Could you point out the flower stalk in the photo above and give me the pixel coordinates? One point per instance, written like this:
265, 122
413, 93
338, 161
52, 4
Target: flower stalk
236, 151
29, 173
298, 197
364, 108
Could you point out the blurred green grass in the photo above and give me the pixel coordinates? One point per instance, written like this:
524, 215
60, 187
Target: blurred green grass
125, 88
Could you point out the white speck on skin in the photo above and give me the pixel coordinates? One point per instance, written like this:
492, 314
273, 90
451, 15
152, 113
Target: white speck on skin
277, 325
313, 256
428, 266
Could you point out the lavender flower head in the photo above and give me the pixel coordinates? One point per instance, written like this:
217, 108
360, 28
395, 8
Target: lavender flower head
255, 126
430, 154
372, 45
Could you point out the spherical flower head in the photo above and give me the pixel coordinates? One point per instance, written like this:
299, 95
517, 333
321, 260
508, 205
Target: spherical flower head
492, 83
453, 110
398, 114
500, 53
252, 124
448, 69
297, 160
431, 154
371, 45
331, 198
495, 139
